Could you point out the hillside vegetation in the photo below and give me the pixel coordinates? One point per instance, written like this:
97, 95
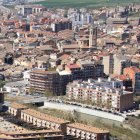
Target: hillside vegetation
86, 3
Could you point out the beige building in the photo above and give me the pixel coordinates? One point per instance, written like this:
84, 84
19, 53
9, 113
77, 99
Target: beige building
107, 94
85, 132
15, 109
108, 63
115, 64
120, 63
43, 120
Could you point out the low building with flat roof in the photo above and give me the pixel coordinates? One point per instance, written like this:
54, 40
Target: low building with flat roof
15, 109
82, 131
43, 120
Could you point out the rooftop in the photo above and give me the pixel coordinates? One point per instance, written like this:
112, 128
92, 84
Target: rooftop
43, 116
18, 106
88, 128
135, 69
42, 71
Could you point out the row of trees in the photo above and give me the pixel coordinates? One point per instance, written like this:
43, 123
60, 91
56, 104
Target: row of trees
47, 93
99, 103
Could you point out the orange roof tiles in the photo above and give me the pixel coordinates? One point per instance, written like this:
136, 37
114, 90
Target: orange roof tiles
73, 66
43, 116
87, 128
18, 106
121, 77
134, 69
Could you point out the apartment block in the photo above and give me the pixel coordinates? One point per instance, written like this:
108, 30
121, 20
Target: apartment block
43, 120
90, 69
85, 70
15, 109
61, 25
114, 64
108, 62
43, 81
29, 9
134, 74
120, 63
85, 132
104, 93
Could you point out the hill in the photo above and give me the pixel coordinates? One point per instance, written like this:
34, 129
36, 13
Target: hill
86, 3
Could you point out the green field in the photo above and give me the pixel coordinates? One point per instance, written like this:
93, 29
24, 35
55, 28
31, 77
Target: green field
86, 3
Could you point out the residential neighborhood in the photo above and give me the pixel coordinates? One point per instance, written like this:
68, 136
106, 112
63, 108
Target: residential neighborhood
69, 73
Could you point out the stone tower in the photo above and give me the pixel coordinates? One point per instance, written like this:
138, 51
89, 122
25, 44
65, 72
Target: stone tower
93, 37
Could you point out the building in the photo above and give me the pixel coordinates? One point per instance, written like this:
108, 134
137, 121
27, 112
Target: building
134, 74
104, 93
33, 135
52, 82
93, 38
83, 69
80, 18
15, 109
1, 100
11, 131
90, 69
108, 62
43, 81
120, 62
53, 128
127, 82
29, 9
61, 25
82, 131
114, 64
43, 120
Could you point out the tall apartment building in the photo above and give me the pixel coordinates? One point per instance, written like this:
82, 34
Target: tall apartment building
29, 9
108, 62
61, 25
120, 63
42, 81
85, 132
115, 64
107, 94
134, 74
85, 70
80, 18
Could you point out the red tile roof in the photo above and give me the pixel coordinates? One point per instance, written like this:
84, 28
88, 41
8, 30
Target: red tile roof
73, 66
121, 77
133, 68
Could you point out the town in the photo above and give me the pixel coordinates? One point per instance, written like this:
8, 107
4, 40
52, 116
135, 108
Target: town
69, 73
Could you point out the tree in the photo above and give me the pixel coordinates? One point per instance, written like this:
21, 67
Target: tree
42, 138
31, 90
2, 83
48, 93
76, 116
